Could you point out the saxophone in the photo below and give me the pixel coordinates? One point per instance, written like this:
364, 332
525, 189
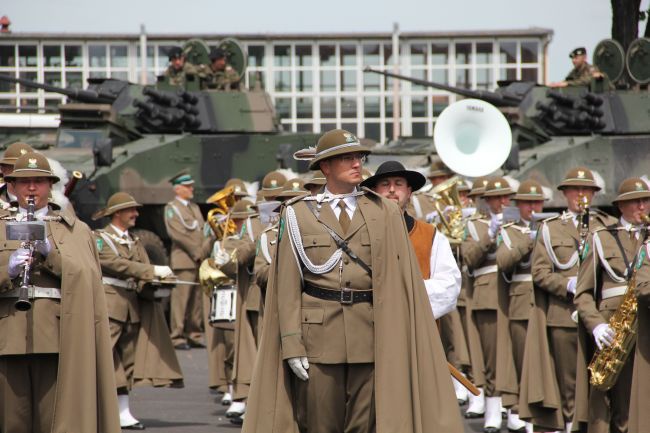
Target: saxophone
606, 364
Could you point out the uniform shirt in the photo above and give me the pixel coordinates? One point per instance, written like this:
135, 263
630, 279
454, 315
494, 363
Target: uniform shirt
350, 205
581, 76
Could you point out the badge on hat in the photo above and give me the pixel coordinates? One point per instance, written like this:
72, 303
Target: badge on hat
497, 185
533, 189
274, 183
581, 174
350, 138
23, 151
639, 186
32, 163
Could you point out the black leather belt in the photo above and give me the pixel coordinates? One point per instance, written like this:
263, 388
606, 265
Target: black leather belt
344, 296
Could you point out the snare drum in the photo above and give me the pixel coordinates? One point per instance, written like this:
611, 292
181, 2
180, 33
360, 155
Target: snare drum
223, 304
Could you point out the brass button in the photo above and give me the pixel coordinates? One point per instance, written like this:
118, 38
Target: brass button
346, 261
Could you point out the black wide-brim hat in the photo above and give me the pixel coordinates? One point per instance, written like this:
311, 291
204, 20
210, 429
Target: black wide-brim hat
416, 180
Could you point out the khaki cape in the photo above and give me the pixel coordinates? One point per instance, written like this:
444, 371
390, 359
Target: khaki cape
413, 389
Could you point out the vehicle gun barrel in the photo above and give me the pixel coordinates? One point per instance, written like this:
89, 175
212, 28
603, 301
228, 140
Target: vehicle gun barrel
493, 98
88, 96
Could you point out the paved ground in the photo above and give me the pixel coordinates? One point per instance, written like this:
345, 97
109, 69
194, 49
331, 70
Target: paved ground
195, 409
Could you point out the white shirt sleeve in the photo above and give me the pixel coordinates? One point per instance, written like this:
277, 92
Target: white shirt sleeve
443, 285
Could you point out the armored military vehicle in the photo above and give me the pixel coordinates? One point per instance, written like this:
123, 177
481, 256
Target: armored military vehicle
604, 126
133, 138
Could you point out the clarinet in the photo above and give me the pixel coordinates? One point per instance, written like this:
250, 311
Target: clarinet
23, 304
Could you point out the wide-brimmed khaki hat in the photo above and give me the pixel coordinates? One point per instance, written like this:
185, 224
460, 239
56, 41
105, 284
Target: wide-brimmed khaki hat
365, 173
529, 190
32, 164
14, 151
238, 186
579, 176
438, 168
317, 179
117, 202
336, 142
462, 185
497, 186
292, 188
478, 188
632, 189
272, 184
243, 209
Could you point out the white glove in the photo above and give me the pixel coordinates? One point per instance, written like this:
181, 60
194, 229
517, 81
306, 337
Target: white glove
468, 211
17, 261
43, 247
495, 223
532, 235
604, 335
571, 285
432, 217
162, 272
299, 365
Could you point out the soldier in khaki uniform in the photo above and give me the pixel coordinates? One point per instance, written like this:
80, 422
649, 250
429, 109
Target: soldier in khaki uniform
190, 246
479, 255
555, 270
602, 282
334, 329
7, 162
55, 358
132, 310
316, 182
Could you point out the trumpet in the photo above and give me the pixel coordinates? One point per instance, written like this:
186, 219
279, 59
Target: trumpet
218, 217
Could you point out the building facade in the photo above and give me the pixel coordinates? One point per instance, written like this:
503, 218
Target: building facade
317, 82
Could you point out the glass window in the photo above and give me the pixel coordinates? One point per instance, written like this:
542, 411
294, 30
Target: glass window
373, 131
508, 52
371, 106
304, 55
29, 103
52, 103
282, 81
388, 106
52, 55
418, 54
73, 56
150, 56
7, 55
419, 129
484, 53
53, 78
283, 107
439, 53
120, 75
324, 127
349, 80
348, 55
305, 107
305, 127
463, 78
419, 106
419, 74
6, 87
163, 59
97, 55
97, 74
328, 80
328, 107
371, 54
440, 76
440, 102
463, 53
529, 74
255, 77
305, 81
389, 131
388, 54
256, 55
282, 55
352, 127
349, 106
371, 81
509, 74
119, 56
74, 79
28, 75
27, 55
483, 78
529, 52
327, 54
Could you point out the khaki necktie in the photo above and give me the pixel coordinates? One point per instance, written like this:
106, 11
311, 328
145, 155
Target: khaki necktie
344, 218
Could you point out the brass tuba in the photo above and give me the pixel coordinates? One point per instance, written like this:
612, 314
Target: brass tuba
445, 196
218, 219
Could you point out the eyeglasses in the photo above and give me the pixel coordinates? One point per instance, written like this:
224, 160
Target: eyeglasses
350, 158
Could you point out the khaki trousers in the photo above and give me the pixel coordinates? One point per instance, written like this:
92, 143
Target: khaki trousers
124, 337
518, 336
486, 322
462, 311
27, 392
447, 338
337, 398
225, 358
563, 344
186, 310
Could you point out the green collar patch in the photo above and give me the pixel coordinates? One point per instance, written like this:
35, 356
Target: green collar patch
170, 213
585, 252
281, 230
100, 243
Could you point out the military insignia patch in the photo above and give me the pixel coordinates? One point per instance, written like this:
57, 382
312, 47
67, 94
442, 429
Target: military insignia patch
281, 229
23, 151
581, 174
274, 183
100, 243
169, 213
639, 186
32, 163
533, 190
497, 185
585, 252
350, 138
642, 254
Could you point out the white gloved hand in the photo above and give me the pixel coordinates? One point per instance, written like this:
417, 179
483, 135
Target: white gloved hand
299, 365
604, 335
571, 285
17, 261
162, 271
495, 223
43, 247
432, 217
468, 211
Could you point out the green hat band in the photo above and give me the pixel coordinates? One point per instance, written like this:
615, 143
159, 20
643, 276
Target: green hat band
182, 179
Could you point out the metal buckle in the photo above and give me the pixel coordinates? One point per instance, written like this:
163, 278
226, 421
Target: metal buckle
346, 295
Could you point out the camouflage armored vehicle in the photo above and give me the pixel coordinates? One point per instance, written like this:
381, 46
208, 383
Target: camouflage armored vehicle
130, 137
604, 126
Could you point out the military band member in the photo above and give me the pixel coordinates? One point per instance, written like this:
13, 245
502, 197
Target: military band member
555, 271
272, 185
514, 261
602, 282
479, 255
351, 330
137, 322
56, 369
239, 188
315, 184
9, 157
190, 246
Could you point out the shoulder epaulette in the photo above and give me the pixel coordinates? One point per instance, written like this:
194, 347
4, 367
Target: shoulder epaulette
294, 200
271, 228
547, 220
